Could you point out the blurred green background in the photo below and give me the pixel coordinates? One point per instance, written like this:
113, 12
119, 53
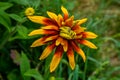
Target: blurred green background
20, 62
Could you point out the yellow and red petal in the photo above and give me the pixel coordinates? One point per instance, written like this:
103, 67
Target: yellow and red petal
49, 38
79, 22
52, 15
58, 41
78, 50
65, 12
89, 35
87, 43
50, 27
69, 21
43, 40
78, 36
70, 55
77, 29
42, 31
64, 43
47, 51
40, 20
38, 42
60, 19
56, 58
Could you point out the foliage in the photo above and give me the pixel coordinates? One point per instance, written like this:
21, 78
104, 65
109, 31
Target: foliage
20, 62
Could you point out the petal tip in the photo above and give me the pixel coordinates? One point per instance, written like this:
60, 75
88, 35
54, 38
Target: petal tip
72, 67
29, 34
62, 7
85, 19
40, 58
96, 35
48, 12
51, 70
95, 47
32, 46
82, 21
84, 60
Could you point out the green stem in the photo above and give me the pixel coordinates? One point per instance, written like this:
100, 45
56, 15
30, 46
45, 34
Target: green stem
6, 36
85, 68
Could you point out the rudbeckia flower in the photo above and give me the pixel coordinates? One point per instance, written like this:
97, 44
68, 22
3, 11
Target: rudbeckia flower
29, 11
63, 34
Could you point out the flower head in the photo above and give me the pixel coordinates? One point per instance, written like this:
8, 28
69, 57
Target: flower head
63, 34
29, 11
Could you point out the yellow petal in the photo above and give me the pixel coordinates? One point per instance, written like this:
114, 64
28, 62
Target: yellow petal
79, 22
60, 19
65, 12
38, 42
87, 43
58, 41
41, 31
56, 58
70, 55
47, 51
78, 50
50, 27
36, 32
51, 38
89, 35
64, 44
52, 15
39, 19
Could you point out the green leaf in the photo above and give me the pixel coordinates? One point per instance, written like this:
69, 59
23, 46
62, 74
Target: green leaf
21, 2
53, 78
59, 79
4, 38
16, 17
5, 20
22, 31
24, 66
76, 75
117, 43
34, 73
14, 75
32, 3
35, 3
5, 5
